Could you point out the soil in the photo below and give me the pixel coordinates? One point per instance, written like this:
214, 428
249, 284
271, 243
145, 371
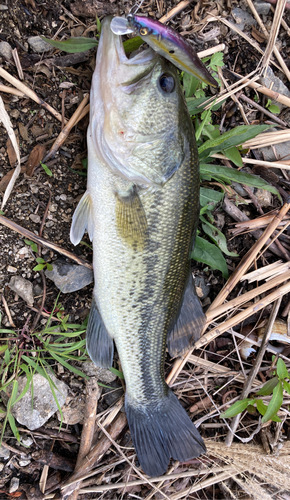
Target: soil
64, 86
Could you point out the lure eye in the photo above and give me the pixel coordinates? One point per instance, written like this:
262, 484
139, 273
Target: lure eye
167, 83
144, 31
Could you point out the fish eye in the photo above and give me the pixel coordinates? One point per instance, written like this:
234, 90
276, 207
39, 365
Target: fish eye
167, 83
144, 31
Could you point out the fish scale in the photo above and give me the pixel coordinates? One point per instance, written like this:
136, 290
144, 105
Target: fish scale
141, 209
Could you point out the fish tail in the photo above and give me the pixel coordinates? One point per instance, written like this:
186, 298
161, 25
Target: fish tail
161, 431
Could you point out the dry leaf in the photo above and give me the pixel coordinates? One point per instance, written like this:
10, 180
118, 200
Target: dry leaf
35, 157
11, 153
23, 131
260, 37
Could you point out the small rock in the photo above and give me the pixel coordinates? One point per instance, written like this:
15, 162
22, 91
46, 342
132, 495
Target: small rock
24, 463
103, 374
4, 453
35, 218
73, 410
11, 269
3, 7
23, 252
282, 151
242, 18
44, 405
262, 7
62, 197
14, 484
239, 189
38, 45
69, 277
202, 289
264, 197
1, 466
26, 441
5, 50
274, 83
15, 112
23, 288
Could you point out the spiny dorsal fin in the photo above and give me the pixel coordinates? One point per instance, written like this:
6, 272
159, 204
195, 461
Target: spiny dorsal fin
131, 218
189, 323
82, 220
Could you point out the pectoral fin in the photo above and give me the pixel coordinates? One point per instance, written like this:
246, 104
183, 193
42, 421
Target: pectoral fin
189, 324
82, 220
131, 218
100, 345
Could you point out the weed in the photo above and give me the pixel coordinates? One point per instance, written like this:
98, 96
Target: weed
274, 386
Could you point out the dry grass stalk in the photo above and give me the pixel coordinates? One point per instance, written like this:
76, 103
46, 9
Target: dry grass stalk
219, 311
66, 130
4, 118
176, 10
267, 138
11, 90
29, 93
211, 50
17, 63
258, 223
274, 33
262, 26
252, 375
268, 272
264, 90
253, 161
263, 110
41, 241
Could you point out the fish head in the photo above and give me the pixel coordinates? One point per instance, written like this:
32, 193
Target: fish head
138, 119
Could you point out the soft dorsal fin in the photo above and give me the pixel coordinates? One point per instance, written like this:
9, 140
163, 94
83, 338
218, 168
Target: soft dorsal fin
189, 323
82, 220
131, 218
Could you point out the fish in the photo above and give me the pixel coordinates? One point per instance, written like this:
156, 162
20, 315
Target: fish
141, 210
166, 42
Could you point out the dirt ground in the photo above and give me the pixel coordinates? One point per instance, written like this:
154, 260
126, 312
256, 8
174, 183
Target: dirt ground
63, 83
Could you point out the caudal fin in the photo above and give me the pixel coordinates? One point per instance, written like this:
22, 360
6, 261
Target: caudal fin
162, 431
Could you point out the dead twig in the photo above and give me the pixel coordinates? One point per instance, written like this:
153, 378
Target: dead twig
252, 375
176, 10
92, 395
41, 241
263, 110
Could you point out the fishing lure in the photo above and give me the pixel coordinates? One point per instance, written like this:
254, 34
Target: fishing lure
166, 42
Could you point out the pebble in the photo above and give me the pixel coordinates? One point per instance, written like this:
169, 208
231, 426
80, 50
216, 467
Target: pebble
23, 288
262, 8
26, 441
11, 269
5, 50
73, 410
38, 45
35, 218
242, 18
103, 374
4, 453
62, 197
14, 485
23, 463
202, 288
3, 7
69, 277
274, 83
1, 466
23, 252
44, 405
264, 197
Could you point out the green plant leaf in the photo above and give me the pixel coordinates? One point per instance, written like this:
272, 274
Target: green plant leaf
3, 348
274, 109
263, 408
74, 44
190, 84
234, 137
68, 366
13, 426
49, 267
275, 403
116, 372
46, 169
132, 44
210, 197
282, 371
209, 254
226, 174
286, 386
32, 245
39, 267
40, 260
217, 236
195, 105
236, 408
233, 154
268, 388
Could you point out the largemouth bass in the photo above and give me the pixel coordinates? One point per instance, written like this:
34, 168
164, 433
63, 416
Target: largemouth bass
141, 209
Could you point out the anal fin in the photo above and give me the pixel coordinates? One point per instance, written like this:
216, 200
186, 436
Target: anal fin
131, 218
82, 220
189, 323
100, 345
